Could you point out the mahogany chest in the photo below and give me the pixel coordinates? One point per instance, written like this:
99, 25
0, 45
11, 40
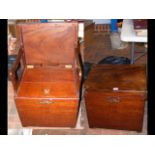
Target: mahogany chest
115, 96
47, 91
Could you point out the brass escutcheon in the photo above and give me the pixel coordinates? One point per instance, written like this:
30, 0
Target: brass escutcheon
46, 91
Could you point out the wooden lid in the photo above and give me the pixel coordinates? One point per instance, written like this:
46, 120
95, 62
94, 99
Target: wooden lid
117, 78
49, 43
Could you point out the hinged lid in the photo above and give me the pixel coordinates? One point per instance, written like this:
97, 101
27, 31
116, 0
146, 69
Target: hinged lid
117, 78
49, 43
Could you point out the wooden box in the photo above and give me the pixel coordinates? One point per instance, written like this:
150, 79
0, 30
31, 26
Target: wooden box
47, 91
115, 96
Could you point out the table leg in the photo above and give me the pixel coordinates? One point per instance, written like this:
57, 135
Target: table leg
132, 53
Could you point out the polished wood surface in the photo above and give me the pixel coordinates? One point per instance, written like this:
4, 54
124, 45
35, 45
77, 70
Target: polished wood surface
124, 77
48, 91
48, 74
116, 111
47, 112
121, 108
50, 43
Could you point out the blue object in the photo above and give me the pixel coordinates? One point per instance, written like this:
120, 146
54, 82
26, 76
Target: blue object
43, 20
114, 25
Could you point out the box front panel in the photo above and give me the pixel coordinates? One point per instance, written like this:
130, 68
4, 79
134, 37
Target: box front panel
115, 110
47, 112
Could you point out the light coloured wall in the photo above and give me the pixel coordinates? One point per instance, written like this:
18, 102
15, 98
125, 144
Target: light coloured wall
101, 21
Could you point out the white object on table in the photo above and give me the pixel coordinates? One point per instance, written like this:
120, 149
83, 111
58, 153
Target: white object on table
128, 34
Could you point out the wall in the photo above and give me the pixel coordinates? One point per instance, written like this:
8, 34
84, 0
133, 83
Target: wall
101, 21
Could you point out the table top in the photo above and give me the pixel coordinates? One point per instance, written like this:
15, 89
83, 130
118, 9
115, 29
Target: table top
128, 34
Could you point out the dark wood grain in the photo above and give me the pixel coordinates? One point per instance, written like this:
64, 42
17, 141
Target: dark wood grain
50, 43
124, 77
119, 109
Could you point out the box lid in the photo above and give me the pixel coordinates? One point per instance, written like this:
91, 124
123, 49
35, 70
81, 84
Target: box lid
124, 77
49, 43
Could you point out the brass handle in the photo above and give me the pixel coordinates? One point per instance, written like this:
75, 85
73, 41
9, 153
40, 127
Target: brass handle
46, 102
114, 100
